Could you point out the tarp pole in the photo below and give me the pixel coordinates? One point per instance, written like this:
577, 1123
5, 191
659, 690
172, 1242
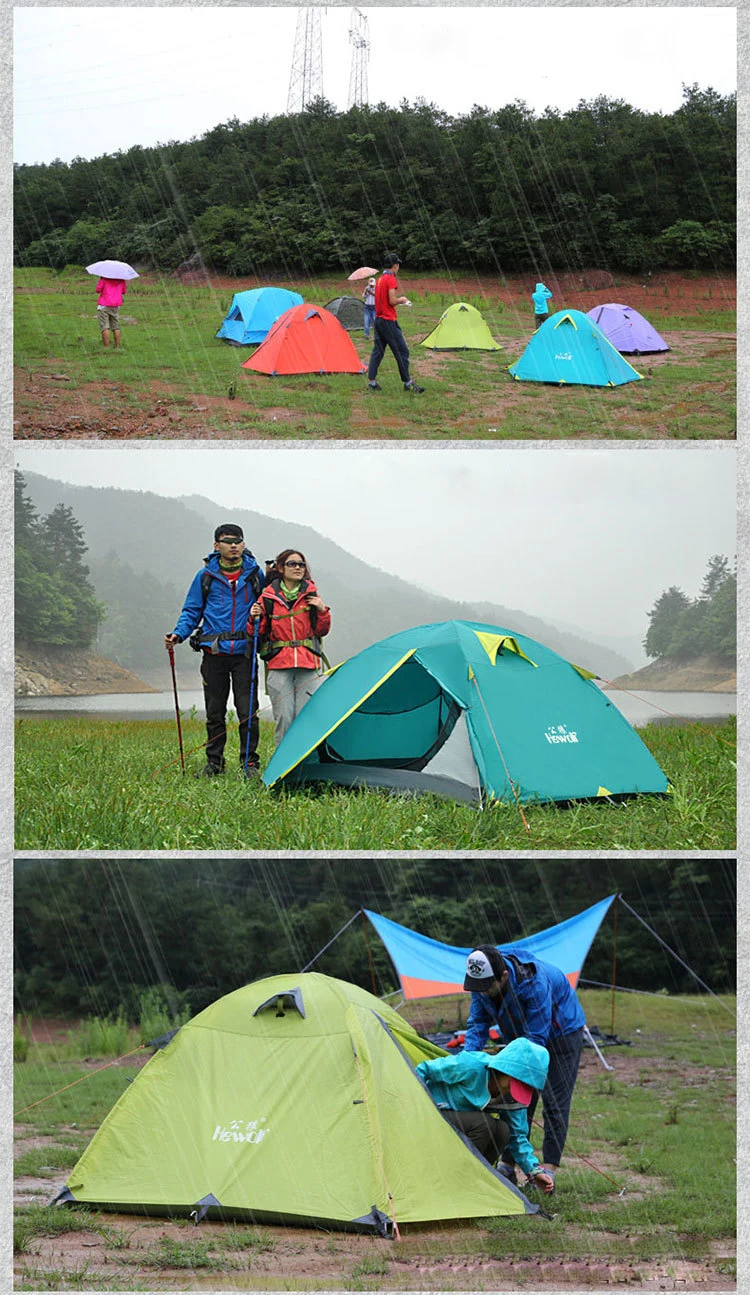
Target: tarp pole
331, 941
592, 1041
614, 968
702, 983
369, 954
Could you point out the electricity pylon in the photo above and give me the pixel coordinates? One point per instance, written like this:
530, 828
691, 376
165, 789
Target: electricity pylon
306, 80
359, 38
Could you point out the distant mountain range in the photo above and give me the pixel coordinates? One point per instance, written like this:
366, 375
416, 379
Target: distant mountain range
144, 550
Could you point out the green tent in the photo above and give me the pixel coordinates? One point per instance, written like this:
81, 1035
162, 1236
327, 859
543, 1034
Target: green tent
292, 1100
461, 328
467, 711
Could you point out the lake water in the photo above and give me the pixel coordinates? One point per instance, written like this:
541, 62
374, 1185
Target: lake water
645, 708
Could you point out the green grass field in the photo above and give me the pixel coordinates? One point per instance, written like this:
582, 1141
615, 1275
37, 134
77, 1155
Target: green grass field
173, 377
86, 784
645, 1198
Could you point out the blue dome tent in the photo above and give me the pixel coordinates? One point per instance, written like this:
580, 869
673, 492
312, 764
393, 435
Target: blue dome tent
253, 313
570, 348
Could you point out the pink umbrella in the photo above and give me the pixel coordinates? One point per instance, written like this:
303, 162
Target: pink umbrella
364, 272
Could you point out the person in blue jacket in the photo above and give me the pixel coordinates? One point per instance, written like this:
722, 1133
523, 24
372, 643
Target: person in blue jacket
487, 1098
539, 298
219, 600
530, 999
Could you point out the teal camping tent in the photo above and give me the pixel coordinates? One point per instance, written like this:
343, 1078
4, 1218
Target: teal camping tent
570, 348
467, 711
252, 314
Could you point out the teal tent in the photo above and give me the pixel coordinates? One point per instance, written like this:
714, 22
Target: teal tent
468, 711
252, 314
570, 348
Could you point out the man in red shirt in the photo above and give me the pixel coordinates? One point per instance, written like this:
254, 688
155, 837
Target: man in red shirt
387, 329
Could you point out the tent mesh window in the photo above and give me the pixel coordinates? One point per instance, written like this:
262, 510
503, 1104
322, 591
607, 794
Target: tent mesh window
419, 718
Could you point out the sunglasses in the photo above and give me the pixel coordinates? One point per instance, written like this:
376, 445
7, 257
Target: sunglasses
229, 539
295, 564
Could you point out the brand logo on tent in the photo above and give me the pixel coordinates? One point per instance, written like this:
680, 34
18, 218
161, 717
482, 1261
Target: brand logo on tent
563, 355
241, 1131
559, 733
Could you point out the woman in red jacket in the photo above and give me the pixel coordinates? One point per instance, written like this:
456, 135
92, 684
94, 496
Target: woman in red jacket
293, 619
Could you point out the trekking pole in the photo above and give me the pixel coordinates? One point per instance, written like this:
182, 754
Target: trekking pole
170, 650
253, 676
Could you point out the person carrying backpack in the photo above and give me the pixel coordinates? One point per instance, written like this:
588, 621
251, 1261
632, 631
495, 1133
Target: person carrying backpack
292, 620
219, 601
525, 997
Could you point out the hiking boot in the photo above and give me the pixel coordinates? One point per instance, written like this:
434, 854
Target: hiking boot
374, 386
413, 386
507, 1171
210, 770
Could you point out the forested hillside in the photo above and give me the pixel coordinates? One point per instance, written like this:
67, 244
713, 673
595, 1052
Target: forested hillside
207, 926
143, 595
604, 184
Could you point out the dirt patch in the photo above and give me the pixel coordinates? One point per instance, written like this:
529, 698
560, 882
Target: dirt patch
135, 1252
70, 672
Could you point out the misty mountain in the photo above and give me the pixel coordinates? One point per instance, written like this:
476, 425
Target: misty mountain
144, 550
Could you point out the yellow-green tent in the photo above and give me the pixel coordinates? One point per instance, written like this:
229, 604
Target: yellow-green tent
461, 328
292, 1100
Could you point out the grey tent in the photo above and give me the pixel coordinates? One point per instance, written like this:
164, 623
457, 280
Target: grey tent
349, 311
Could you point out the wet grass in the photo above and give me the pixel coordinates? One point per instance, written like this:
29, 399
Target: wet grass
172, 356
117, 785
648, 1181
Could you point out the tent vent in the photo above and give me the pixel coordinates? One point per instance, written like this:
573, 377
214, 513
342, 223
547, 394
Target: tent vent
289, 998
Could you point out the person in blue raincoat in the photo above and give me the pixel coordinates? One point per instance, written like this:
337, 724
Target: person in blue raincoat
487, 1098
524, 997
219, 601
539, 298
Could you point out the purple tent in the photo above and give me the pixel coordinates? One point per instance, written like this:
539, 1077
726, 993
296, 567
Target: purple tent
628, 331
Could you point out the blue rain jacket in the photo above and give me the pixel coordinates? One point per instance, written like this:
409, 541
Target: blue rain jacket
460, 1083
227, 605
539, 1004
540, 297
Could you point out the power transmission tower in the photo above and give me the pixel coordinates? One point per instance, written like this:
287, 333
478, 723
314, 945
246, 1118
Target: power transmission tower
359, 38
306, 80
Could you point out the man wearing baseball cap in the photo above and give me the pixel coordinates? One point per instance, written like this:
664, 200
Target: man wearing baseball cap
487, 1098
387, 328
525, 998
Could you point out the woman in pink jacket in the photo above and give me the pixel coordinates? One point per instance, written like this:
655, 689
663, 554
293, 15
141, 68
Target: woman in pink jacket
111, 293
292, 620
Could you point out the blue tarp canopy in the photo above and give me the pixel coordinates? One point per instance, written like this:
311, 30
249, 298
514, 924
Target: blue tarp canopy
426, 968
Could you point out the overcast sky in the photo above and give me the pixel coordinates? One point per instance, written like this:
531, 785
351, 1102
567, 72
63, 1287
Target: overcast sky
587, 537
92, 80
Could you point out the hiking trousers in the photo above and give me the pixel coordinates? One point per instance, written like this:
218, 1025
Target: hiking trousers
289, 690
488, 1132
388, 333
557, 1094
218, 672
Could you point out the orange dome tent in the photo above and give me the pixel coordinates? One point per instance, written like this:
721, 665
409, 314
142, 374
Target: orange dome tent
306, 339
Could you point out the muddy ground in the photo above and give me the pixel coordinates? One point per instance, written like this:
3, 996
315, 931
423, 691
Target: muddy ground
132, 1253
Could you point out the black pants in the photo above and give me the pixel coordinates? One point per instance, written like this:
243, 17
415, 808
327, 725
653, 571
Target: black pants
488, 1132
388, 333
557, 1094
217, 672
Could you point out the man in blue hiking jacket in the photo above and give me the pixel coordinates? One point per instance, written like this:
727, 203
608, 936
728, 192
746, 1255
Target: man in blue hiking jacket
527, 998
219, 600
